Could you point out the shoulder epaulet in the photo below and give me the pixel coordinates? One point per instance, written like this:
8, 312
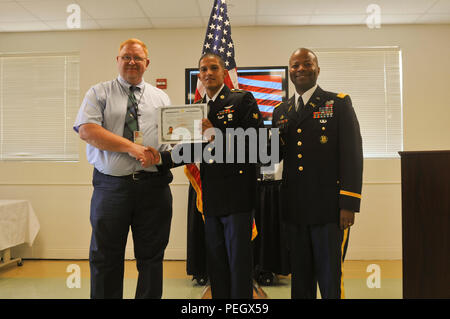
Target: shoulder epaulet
278, 105
341, 95
237, 90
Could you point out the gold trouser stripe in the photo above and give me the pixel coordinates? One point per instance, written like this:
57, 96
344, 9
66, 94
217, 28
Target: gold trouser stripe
342, 192
344, 240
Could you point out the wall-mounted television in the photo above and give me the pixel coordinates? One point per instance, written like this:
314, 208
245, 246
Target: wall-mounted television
268, 84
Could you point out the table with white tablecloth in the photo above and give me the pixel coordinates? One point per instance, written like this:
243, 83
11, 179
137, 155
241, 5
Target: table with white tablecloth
18, 225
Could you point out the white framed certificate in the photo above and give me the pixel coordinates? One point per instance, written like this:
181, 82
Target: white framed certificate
181, 123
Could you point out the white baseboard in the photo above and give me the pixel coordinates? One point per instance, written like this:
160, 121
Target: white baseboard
373, 253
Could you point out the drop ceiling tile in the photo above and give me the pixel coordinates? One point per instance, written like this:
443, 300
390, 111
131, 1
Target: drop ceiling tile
235, 7
13, 12
286, 7
190, 22
51, 9
342, 7
108, 9
440, 7
125, 23
170, 8
241, 8
195, 13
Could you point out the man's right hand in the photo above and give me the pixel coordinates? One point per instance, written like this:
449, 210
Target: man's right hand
146, 155
103, 139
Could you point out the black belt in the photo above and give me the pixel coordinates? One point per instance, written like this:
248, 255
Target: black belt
140, 175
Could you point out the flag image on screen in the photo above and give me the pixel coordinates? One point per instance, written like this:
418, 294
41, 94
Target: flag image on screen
268, 85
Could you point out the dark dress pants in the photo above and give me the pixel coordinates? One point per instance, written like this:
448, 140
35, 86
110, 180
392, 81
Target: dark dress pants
317, 254
118, 204
229, 255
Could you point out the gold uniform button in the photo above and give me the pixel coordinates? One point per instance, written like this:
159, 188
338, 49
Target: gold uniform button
240, 172
323, 128
299, 155
300, 168
299, 143
211, 161
209, 149
299, 130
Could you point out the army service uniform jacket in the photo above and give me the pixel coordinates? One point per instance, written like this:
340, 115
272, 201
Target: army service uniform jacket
228, 188
322, 157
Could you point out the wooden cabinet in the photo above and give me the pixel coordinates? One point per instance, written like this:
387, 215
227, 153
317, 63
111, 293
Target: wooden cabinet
426, 224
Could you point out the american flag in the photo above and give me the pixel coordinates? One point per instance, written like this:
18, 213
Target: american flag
218, 40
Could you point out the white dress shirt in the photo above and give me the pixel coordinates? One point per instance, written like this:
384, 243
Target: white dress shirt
305, 96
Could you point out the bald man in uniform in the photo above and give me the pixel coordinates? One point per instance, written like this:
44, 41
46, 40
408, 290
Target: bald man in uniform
321, 148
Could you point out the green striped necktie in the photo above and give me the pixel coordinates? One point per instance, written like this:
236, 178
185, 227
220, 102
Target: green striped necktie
131, 122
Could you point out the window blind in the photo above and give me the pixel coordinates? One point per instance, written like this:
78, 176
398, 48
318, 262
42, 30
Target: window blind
39, 99
372, 78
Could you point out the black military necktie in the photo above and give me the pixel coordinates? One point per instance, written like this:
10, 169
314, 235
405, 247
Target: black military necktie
209, 105
131, 122
300, 104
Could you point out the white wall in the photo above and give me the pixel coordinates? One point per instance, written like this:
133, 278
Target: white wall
60, 192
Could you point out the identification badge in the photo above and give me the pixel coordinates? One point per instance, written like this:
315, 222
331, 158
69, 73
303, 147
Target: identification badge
138, 137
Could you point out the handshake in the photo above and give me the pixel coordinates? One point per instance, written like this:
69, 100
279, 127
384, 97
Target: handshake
146, 155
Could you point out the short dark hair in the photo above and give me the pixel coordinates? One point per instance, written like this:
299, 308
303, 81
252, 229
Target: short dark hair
212, 54
310, 51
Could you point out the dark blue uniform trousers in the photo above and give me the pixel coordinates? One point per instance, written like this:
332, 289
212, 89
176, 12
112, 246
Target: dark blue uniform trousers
229, 255
118, 203
317, 254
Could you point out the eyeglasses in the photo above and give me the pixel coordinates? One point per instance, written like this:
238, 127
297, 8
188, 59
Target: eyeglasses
128, 58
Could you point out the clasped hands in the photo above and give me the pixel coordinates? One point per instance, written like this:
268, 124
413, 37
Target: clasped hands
146, 155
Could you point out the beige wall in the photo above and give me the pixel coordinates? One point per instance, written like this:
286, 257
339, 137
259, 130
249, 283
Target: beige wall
60, 192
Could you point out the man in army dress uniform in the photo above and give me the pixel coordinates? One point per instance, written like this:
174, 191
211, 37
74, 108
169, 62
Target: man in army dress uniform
228, 185
321, 148
229, 189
